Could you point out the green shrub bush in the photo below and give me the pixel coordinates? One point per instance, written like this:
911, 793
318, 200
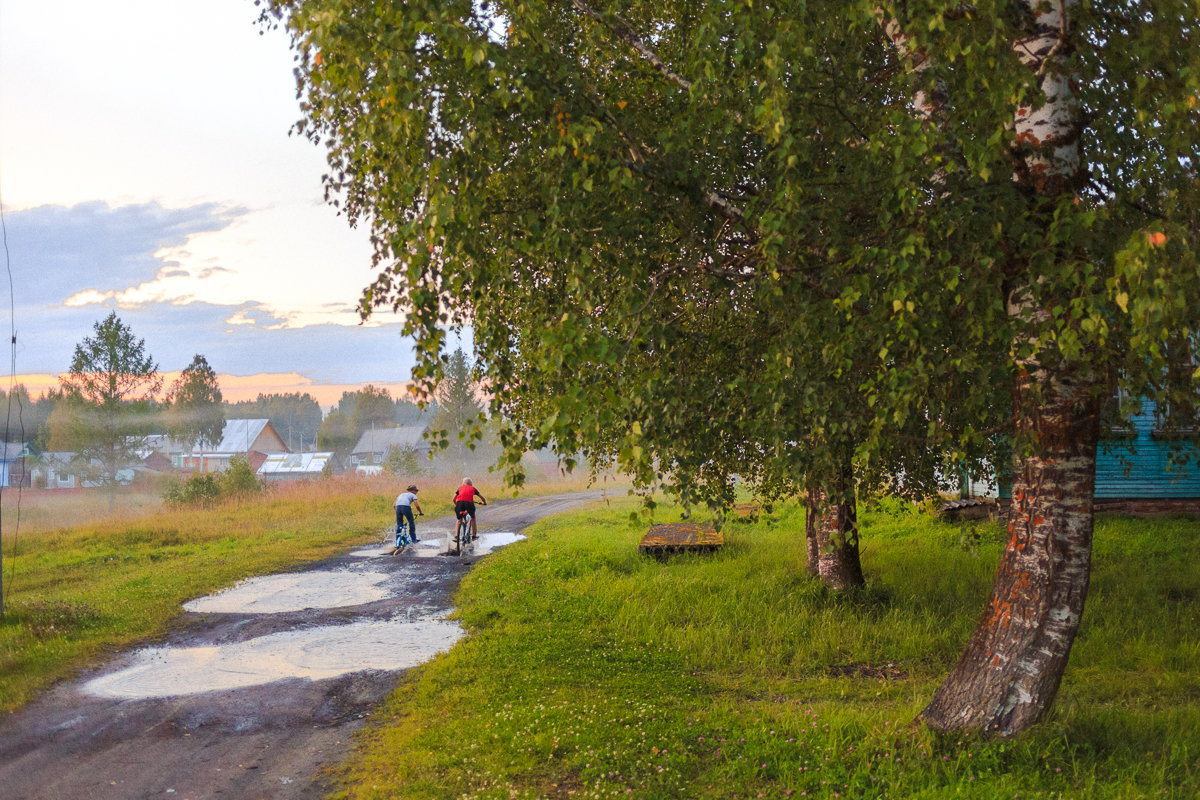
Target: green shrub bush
239, 480
198, 490
207, 488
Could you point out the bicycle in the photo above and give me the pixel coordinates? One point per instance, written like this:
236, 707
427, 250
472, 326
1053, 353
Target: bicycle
462, 533
403, 534
404, 537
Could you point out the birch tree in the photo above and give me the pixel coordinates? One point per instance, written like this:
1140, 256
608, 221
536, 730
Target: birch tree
774, 239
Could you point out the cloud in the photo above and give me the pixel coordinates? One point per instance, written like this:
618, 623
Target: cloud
72, 265
92, 252
242, 340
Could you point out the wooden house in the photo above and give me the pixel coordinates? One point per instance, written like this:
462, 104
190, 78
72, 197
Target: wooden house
65, 469
373, 445
13, 465
1141, 467
253, 439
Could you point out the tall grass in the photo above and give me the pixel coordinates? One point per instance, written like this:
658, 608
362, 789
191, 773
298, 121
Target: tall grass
592, 672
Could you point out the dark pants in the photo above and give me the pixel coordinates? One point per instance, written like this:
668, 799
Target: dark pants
405, 513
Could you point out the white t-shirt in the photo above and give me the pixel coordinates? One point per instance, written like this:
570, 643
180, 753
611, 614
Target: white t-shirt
406, 499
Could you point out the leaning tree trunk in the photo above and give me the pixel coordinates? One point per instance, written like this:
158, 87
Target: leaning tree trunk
1011, 669
832, 519
1014, 662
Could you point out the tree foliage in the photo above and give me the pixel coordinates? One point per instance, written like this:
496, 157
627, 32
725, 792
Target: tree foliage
747, 219
196, 414
296, 416
360, 411
373, 408
459, 412
403, 461
108, 391
337, 433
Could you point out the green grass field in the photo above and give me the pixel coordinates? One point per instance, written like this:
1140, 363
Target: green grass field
591, 672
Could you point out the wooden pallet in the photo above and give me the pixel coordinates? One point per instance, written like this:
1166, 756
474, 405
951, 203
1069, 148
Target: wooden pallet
680, 537
745, 512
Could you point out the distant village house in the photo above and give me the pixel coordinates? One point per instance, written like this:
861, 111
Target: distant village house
13, 465
253, 439
373, 446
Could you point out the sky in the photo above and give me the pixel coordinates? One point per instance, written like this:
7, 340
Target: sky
146, 167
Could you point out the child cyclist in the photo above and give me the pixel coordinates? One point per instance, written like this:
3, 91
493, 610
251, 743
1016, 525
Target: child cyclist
464, 502
404, 511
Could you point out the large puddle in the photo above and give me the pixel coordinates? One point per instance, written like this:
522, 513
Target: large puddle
313, 653
487, 542
436, 542
276, 594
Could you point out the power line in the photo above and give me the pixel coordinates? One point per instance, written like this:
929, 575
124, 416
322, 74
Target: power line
12, 318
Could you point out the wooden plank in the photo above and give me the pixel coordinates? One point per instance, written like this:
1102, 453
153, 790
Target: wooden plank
680, 537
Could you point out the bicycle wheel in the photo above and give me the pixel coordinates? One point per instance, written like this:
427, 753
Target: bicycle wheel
461, 534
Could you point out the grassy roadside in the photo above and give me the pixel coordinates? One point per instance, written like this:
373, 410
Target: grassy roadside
590, 672
73, 593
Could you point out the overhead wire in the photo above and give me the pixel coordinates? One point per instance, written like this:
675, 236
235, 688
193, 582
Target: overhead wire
6, 588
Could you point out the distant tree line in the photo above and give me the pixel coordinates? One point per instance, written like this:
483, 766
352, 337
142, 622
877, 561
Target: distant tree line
111, 392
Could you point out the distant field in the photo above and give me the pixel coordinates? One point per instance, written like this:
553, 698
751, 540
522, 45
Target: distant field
591, 672
46, 509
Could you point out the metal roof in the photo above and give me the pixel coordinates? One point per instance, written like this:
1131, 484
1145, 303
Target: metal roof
380, 439
294, 464
237, 437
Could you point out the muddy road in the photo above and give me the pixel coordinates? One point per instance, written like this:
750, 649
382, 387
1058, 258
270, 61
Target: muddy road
259, 687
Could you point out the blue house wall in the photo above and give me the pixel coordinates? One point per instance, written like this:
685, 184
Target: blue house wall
1138, 462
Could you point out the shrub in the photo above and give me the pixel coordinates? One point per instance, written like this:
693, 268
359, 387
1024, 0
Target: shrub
239, 480
198, 490
403, 461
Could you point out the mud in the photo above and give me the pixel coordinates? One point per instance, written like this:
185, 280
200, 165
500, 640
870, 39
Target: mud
226, 731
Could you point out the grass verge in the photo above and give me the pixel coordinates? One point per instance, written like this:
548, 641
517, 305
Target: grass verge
591, 672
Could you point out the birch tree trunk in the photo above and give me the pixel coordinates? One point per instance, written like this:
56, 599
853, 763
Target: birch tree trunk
811, 517
832, 519
1012, 666
1014, 662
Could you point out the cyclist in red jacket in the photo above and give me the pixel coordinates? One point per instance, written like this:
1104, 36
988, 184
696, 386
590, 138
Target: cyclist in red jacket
464, 503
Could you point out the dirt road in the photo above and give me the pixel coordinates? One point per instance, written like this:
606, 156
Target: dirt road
144, 725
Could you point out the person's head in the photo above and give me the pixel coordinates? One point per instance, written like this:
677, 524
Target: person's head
467, 482
413, 489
